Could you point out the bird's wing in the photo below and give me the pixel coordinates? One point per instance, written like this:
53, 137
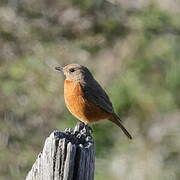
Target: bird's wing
94, 92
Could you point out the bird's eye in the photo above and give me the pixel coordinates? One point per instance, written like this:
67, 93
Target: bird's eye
72, 70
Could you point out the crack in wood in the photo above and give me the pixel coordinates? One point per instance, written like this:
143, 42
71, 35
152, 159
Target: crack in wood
67, 155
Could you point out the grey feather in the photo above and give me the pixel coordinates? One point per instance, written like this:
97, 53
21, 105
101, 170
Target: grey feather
95, 93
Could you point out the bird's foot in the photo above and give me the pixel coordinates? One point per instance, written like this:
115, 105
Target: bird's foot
89, 128
83, 126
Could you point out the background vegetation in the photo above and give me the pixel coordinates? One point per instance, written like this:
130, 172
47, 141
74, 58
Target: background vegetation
133, 49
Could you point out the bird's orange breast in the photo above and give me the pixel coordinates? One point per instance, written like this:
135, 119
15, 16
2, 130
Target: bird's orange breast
80, 107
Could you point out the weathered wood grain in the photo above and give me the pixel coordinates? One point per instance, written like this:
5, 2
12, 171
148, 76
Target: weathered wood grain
67, 155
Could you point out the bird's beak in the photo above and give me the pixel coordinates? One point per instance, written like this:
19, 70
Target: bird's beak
59, 68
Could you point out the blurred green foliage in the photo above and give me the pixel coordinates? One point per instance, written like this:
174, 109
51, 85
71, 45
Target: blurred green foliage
133, 49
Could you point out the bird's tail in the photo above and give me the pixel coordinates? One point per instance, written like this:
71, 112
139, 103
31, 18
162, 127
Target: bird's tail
116, 119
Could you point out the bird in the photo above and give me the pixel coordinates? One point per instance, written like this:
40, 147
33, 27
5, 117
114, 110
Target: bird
85, 98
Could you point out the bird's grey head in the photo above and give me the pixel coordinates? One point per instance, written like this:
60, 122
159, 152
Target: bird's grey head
75, 72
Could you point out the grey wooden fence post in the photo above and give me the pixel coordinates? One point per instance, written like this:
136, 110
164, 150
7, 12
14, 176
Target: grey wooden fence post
67, 155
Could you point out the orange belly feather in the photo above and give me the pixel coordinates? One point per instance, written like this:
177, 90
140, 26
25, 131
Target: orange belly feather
81, 108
